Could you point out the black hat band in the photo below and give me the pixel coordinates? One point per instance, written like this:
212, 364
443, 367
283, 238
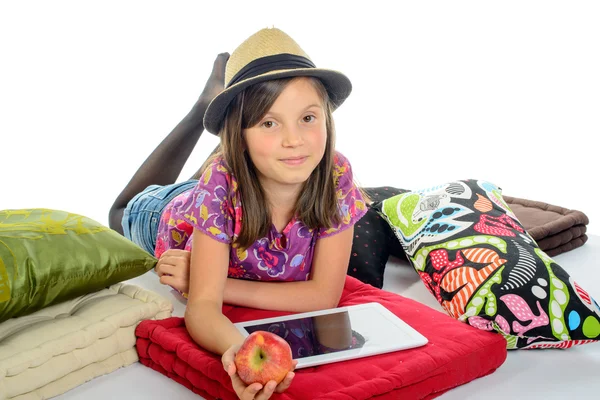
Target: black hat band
271, 63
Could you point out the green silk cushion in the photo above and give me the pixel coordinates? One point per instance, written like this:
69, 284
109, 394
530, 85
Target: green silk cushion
49, 256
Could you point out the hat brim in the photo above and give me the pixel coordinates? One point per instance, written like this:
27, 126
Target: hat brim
337, 84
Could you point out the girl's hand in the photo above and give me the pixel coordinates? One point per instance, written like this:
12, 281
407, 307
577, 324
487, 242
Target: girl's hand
254, 391
173, 268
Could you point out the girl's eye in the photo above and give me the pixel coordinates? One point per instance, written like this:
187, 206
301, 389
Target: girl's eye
309, 120
268, 122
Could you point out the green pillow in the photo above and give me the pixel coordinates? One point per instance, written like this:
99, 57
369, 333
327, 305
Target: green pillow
50, 256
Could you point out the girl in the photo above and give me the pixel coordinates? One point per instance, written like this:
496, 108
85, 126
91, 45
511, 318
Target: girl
274, 203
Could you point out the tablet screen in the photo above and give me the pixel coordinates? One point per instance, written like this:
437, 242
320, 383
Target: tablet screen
343, 333
312, 336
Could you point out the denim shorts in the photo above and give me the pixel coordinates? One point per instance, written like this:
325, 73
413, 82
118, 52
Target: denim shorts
142, 214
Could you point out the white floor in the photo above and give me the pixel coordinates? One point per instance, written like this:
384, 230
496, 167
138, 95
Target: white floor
539, 374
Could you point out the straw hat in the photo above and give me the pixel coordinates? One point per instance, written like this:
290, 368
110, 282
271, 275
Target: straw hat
266, 55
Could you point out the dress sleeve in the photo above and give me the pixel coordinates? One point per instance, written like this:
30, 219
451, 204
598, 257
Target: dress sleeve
350, 200
210, 204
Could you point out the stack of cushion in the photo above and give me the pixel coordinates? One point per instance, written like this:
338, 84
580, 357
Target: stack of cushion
64, 316
62, 346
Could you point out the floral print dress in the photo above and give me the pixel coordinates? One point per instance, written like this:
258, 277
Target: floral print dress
213, 206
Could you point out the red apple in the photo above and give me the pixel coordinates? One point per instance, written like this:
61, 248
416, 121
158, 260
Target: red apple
263, 357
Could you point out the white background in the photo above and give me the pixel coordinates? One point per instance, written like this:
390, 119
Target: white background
504, 91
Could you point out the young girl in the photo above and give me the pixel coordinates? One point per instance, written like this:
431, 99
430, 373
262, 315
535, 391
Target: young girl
274, 207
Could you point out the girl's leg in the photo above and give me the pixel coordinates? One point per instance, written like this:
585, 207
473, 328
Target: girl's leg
165, 163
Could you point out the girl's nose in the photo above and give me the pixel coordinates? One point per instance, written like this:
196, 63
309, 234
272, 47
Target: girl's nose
292, 137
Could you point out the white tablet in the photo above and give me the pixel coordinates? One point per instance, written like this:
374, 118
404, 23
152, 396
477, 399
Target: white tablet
339, 334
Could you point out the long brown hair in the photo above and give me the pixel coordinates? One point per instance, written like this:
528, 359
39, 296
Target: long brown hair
316, 206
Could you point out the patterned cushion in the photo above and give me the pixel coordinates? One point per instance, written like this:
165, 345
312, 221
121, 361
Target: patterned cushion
476, 258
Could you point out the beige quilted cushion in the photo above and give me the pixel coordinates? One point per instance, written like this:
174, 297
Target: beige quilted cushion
60, 347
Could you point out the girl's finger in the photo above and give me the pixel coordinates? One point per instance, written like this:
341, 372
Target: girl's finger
267, 391
230, 369
243, 391
171, 281
162, 269
285, 383
184, 256
238, 386
176, 253
228, 360
174, 261
252, 391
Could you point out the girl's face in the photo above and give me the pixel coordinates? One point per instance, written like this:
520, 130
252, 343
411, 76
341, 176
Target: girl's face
288, 143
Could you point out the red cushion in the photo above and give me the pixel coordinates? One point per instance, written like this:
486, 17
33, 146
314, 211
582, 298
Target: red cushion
456, 354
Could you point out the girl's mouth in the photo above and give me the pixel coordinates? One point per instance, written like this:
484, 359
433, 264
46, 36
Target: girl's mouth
294, 160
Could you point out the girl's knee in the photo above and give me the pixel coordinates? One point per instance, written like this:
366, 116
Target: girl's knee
115, 216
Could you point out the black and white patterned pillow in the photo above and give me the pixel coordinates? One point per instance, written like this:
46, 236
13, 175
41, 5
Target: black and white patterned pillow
476, 258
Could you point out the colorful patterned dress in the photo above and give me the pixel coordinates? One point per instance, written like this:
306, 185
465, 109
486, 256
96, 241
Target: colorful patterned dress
214, 207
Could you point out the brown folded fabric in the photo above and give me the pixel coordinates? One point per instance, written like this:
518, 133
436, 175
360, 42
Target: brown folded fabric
555, 229
564, 241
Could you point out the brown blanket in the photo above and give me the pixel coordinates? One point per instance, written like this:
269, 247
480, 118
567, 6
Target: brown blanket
555, 229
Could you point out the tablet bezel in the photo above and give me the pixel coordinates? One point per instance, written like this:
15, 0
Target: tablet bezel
416, 339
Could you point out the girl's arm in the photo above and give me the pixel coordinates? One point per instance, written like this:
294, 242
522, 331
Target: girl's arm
323, 290
204, 319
